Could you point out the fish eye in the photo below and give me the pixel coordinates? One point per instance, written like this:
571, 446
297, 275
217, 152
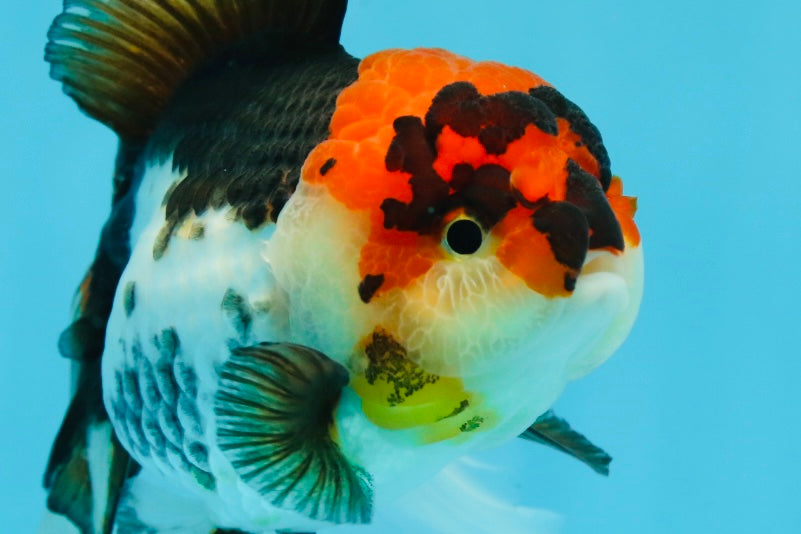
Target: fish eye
464, 236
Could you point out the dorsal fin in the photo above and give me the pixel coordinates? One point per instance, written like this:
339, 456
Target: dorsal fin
121, 60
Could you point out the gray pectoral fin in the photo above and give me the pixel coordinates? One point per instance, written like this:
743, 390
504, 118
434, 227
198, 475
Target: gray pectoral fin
274, 410
555, 432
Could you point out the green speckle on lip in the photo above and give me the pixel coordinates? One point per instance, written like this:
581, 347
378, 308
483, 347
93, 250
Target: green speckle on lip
388, 361
471, 424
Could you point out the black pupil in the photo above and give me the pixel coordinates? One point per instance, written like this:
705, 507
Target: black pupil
464, 236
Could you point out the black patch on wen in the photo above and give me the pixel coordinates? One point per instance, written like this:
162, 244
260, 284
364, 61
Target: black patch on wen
329, 163
566, 229
584, 191
584, 220
369, 285
579, 124
484, 193
496, 120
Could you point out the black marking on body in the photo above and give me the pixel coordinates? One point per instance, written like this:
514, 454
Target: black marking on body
238, 311
155, 406
129, 298
369, 285
327, 166
130, 392
241, 131
274, 411
198, 453
165, 381
167, 343
148, 388
584, 191
388, 361
580, 124
186, 378
153, 433
168, 421
189, 417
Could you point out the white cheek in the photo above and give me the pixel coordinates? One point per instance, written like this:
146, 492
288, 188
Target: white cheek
315, 257
616, 295
470, 317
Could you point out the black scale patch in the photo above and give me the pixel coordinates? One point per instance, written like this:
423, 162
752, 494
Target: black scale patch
242, 132
155, 406
129, 298
236, 308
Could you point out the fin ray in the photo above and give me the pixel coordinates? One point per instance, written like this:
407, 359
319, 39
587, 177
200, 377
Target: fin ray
285, 450
121, 60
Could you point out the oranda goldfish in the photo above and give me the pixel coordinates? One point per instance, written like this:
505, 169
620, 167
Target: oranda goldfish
323, 279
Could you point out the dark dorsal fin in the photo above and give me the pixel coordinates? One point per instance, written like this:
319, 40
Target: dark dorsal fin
121, 60
553, 431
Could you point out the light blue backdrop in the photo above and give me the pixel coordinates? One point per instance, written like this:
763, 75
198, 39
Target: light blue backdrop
699, 105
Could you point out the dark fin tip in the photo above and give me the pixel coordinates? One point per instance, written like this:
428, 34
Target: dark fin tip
82, 341
274, 411
67, 479
555, 432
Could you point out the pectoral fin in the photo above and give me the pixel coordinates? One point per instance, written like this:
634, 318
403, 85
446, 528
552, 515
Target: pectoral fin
556, 432
274, 410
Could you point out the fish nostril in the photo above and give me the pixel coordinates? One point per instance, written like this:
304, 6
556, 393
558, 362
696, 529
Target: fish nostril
464, 236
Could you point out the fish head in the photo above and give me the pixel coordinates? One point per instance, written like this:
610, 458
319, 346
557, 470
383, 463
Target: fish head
458, 240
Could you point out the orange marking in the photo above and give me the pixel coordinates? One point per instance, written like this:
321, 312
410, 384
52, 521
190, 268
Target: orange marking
624, 208
527, 253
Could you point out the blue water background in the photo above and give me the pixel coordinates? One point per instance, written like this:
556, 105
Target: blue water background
700, 108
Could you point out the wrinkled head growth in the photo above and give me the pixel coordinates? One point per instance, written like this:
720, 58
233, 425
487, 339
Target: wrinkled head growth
467, 210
